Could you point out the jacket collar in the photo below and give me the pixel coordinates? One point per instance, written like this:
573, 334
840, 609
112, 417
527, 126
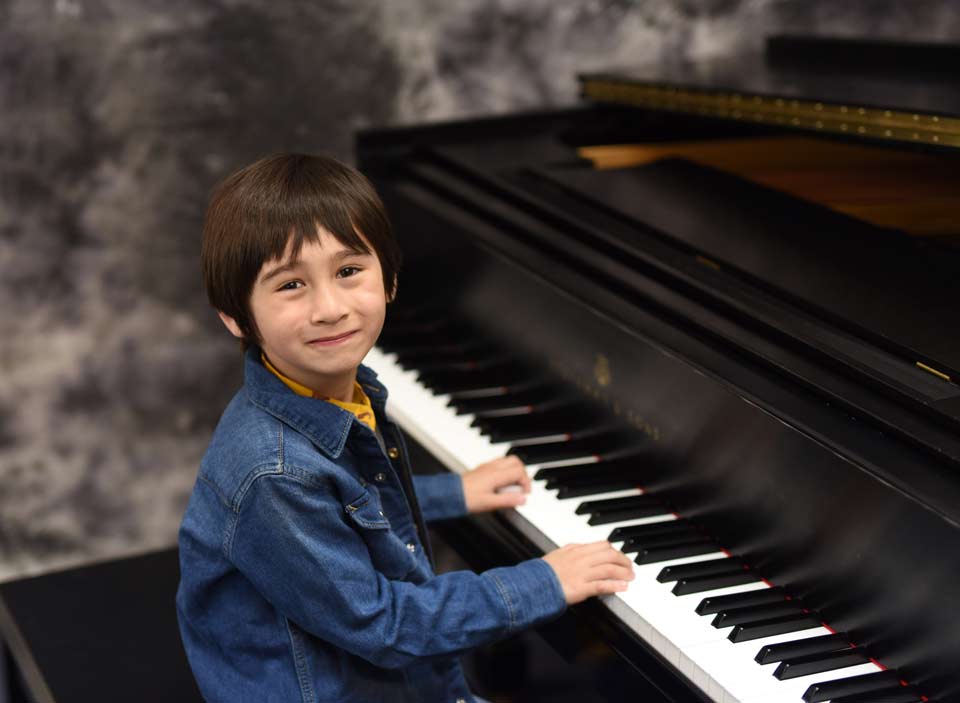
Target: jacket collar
324, 424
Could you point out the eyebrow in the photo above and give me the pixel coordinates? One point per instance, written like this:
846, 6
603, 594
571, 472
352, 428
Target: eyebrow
293, 264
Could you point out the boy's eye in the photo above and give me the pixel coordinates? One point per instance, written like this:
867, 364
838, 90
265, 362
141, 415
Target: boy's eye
348, 271
291, 285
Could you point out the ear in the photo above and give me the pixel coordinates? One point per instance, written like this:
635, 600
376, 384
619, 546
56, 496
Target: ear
230, 324
392, 293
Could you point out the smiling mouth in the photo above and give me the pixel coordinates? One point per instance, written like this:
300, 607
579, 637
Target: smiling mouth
329, 341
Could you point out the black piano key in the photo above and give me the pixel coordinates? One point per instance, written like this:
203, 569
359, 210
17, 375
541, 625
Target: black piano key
818, 663
560, 421
714, 567
539, 453
603, 512
627, 467
521, 408
581, 432
489, 392
716, 604
677, 551
699, 584
654, 528
466, 364
592, 475
635, 513
609, 504
485, 405
769, 628
640, 544
801, 648
900, 694
756, 613
855, 685
592, 489
411, 356
442, 382
439, 331
597, 445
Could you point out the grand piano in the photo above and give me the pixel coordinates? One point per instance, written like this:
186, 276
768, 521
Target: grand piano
714, 310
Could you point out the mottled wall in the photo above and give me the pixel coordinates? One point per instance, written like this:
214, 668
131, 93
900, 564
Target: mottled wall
118, 116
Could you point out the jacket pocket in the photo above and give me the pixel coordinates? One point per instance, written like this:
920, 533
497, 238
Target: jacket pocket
388, 553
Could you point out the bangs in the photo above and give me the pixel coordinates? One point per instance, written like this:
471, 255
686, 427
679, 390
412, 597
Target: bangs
279, 202
305, 197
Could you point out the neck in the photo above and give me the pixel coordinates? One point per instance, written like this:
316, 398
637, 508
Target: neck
338, 387
341, 390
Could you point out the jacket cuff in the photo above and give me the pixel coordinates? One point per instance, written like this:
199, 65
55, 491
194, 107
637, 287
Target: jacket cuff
530, 591
440, 496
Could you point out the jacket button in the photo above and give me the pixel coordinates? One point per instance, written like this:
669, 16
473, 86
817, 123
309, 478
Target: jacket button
393, 453
411, 547
380, 477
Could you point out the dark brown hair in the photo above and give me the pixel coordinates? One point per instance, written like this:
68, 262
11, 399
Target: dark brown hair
257, 210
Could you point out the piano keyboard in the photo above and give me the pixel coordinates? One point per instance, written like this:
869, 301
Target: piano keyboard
737, 637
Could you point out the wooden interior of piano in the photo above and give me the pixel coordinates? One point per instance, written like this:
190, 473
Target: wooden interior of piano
910, 190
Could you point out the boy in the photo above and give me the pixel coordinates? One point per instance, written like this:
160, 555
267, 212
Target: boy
304, 575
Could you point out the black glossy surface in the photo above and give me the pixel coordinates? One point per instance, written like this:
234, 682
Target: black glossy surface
829, 690
701, 568
817, 664
774, 626
104, 632
837, 267
756, 613
800, 648
699, 584
800, 467
717, 604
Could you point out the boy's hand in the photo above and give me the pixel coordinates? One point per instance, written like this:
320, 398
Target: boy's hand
483, 488
593, 569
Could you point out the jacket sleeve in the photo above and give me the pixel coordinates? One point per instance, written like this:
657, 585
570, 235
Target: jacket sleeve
440, 496
298, 546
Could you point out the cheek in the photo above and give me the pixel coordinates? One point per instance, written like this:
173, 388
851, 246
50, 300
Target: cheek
373, 303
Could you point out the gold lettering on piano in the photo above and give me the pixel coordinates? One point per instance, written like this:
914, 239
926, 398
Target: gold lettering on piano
593, 388
601, 370
930, 369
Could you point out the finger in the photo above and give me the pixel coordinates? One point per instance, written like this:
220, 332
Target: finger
508, 500
600, 588
605, 572
513, 467
611, 556
593, 548
525, 481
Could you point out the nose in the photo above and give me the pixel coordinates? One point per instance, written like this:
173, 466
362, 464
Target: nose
328, 305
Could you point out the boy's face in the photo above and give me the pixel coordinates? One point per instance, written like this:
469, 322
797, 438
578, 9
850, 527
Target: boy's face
318, 316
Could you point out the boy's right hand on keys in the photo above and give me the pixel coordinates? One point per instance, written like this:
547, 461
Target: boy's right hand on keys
586, 570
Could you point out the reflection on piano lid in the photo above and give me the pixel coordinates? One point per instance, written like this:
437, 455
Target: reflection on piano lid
753, 394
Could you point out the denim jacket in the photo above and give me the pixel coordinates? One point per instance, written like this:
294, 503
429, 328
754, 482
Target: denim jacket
303, 570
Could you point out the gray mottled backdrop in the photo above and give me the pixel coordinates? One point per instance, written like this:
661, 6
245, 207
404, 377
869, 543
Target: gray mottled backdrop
116, 119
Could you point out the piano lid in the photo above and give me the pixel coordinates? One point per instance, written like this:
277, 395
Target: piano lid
888, 91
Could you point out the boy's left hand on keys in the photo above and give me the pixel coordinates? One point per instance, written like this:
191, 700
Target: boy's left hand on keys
501, 483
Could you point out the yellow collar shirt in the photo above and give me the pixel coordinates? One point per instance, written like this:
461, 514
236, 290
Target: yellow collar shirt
360, 406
